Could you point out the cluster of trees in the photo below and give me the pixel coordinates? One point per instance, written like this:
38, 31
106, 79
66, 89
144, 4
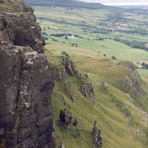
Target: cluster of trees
113, 58
100, 39
144, 66
73, 44
45, 34
136, 31
61, 34
133, 44
64, 34
102, 31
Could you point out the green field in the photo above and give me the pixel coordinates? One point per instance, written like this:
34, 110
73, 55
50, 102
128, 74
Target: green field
86, 23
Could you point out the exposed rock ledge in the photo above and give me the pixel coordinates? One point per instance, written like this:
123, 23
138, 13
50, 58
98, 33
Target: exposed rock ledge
25, 88
26, 81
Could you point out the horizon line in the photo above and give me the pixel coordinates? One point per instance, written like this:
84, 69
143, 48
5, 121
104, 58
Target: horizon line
126, 4
119, 4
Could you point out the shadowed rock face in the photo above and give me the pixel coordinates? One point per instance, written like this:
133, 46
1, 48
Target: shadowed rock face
133, 80
66, 118
26, 84
19, 26
87, 90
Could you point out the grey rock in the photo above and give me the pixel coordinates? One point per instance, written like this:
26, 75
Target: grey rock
26, 80
133, 80
69, 66
98, 140
61, 74
65, 119
26, 99
63, 145
87, 90
20, 27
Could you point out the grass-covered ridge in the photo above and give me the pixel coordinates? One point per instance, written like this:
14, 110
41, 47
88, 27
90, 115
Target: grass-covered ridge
118, 117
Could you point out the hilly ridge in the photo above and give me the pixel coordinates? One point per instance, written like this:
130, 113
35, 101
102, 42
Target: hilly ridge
116, 111
65, 3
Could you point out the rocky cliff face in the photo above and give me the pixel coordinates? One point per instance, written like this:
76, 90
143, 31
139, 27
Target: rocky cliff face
133, 80
26, 81
19, 26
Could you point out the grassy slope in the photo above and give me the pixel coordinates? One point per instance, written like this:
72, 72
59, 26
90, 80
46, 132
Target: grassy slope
117, 126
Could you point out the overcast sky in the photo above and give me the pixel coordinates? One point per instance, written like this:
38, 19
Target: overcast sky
120, 2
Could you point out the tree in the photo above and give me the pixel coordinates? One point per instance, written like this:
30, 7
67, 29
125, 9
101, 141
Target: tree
113, 58
144, 66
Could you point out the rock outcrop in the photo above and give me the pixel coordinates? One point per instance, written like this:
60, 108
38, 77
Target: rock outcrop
97, 136
19, 26
61, 74
66, 119
69, 66
86, 87
133, 80
87, 90
26, 81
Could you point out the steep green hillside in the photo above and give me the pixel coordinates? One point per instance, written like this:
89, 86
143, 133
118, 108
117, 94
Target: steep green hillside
121, 119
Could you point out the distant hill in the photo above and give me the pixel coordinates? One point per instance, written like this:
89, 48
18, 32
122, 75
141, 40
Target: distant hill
65, 3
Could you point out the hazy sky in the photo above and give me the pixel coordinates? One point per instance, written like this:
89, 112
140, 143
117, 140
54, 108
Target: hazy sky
120, 2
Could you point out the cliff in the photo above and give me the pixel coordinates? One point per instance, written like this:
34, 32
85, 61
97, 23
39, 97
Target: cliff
26, 80
18, 25
132, 81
